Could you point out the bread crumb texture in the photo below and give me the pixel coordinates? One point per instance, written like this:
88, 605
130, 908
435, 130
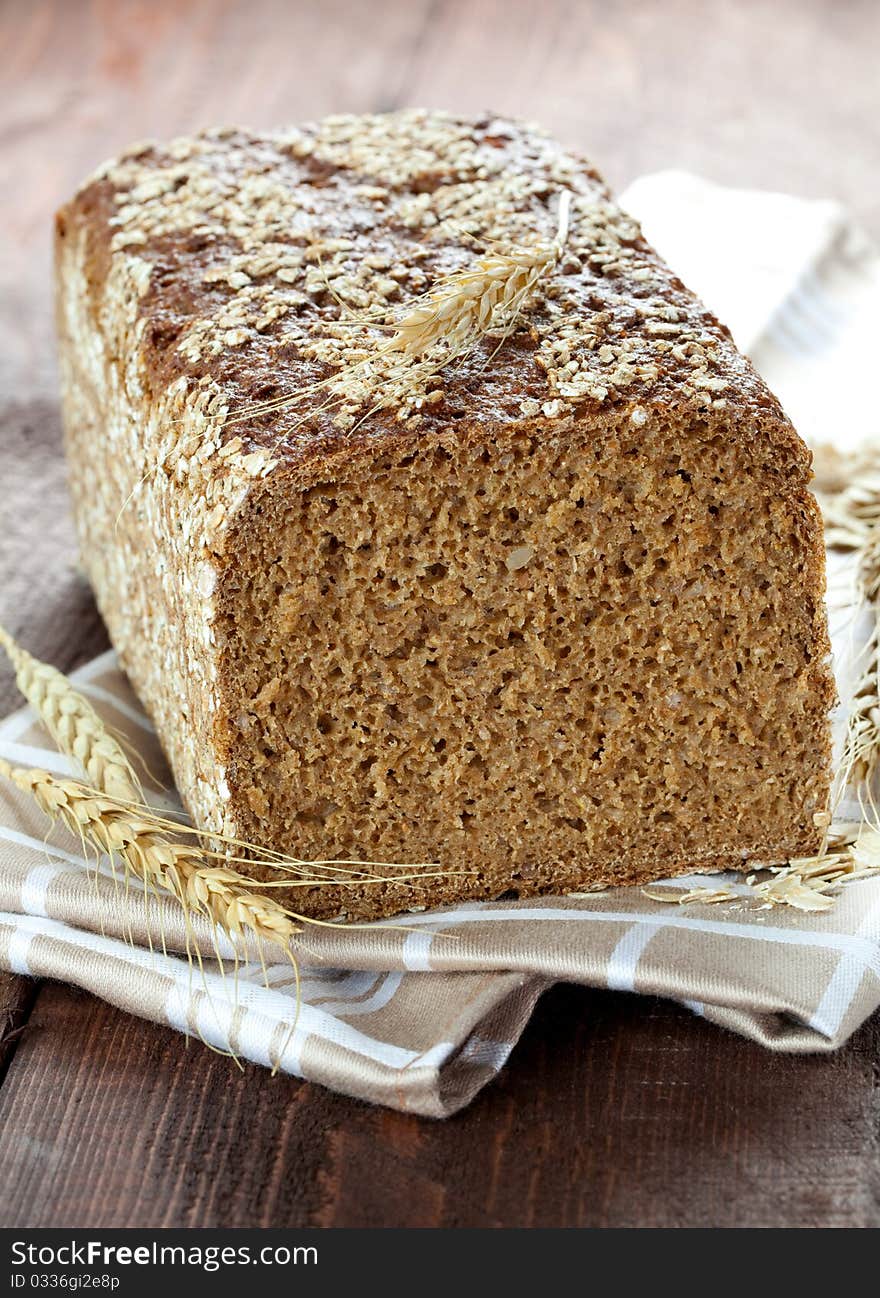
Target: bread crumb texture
551, 615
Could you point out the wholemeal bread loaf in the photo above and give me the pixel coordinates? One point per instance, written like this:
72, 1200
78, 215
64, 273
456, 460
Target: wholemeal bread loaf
522, 576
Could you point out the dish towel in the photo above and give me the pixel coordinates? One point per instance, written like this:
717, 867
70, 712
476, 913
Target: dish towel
420, 1012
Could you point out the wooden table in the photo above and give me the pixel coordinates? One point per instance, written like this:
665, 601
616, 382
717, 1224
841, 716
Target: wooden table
614, 1110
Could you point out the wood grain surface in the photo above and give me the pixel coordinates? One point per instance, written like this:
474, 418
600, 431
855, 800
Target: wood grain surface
613, 1110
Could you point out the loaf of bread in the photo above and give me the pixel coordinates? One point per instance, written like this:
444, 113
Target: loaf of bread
433, 518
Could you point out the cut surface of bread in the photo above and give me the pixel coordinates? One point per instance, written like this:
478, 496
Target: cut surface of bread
552, 616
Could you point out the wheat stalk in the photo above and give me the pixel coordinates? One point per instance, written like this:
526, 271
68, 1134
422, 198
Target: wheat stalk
73, 723
112, 828
486, 299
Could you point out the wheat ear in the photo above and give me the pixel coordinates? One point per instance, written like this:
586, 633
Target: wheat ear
113, 828
486, 298
73, 723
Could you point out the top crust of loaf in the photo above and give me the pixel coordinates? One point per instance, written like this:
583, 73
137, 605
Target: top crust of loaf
256, 262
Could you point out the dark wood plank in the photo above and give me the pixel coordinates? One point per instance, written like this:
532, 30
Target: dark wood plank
17, 996
614, 1110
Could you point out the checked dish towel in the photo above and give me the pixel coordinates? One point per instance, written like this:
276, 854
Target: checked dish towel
419, 1013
